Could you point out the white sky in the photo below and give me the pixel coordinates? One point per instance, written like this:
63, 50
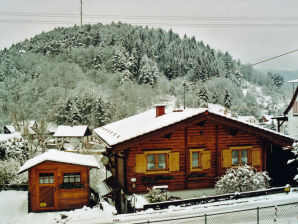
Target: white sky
249, 44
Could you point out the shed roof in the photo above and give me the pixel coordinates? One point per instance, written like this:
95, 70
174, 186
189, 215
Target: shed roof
61, 157
72, 131
146, 122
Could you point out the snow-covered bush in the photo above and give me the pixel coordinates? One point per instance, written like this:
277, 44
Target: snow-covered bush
241, 179
9, 172
156, 195
294, 150
17, 149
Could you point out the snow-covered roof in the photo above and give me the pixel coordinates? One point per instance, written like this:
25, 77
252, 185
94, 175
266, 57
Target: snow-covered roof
11, 128
5, 137
62, 157
147, 122
246, 118
72, 131
295, 80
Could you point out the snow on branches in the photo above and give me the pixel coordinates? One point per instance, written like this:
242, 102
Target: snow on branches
156, 195
294, 150
241, 179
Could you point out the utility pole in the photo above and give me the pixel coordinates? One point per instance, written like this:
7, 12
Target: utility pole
81, 12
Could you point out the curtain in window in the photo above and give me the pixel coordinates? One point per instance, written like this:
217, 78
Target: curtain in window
244, 156
151, 162
195, 159
161, 161
235, 157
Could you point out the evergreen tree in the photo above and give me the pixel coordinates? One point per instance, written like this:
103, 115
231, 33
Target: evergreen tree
203, 97
227, 99
148, 72
215, 98
237, 78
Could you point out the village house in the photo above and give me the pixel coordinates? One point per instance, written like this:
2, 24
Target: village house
78, 136
58, 180
188, 149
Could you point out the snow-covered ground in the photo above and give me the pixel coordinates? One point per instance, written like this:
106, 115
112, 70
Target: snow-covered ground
13, 209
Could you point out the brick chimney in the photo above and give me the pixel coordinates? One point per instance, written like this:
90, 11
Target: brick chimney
160, 109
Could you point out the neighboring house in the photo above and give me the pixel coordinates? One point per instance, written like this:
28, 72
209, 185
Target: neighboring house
78, 135
189, 149
58, 180
266, 119
292, 115
249, 119
33, 128
9, 129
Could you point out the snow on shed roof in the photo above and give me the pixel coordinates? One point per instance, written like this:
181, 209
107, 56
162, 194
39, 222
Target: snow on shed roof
72, 131
62, 157
147, 122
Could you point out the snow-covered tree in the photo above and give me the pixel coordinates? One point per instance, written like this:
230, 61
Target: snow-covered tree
227, 99
294, 150
215, 98
241, 179
148, 73
156, 195
9, 172
237, 78
203, 97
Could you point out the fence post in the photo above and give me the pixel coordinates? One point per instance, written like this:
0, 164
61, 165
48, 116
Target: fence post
205, 218
258, 215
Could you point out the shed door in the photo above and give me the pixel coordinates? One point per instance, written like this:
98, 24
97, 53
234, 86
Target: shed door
47, 190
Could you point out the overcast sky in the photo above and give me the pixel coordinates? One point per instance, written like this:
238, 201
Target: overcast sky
251, 30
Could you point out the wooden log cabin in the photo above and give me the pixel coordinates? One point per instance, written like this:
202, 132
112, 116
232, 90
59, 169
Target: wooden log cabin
58, 180
187, 149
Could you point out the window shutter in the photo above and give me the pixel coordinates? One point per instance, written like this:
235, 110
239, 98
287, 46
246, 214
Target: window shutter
226, 158
256, 157
141, 163
206, 160
174, 161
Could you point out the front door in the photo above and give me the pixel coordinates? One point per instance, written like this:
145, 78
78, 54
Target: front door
47, 190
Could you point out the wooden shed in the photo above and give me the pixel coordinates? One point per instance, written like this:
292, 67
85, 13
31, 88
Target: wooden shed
58, 180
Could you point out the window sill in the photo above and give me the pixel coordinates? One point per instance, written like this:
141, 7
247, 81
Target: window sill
157, 171
196, 169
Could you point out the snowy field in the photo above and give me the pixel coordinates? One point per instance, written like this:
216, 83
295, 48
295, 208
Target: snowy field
13, 210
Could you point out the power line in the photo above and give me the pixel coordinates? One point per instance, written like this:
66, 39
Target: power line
201, 25
245, 66
153, 17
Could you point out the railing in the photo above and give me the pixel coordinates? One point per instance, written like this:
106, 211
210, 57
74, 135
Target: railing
202, 200
283, 214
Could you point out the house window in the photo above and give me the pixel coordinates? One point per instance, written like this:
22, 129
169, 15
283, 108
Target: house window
196, 160
239, 157
199, 159
156, 161
71, 178
295, 108
46, 178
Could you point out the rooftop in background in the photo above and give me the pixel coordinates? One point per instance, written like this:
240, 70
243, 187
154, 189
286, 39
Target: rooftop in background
62, 157
72, 131
293, 81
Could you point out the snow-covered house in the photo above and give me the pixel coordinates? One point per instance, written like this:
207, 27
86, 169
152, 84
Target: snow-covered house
78, 135
248, 119
292, 114
188, 149
58, 180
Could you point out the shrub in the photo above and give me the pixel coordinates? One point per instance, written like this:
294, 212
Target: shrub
156, 195
241, 179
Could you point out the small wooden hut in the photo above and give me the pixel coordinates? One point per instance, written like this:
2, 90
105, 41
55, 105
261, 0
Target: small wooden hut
58, 180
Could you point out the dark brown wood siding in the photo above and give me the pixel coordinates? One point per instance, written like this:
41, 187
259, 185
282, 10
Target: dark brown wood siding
209, 136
